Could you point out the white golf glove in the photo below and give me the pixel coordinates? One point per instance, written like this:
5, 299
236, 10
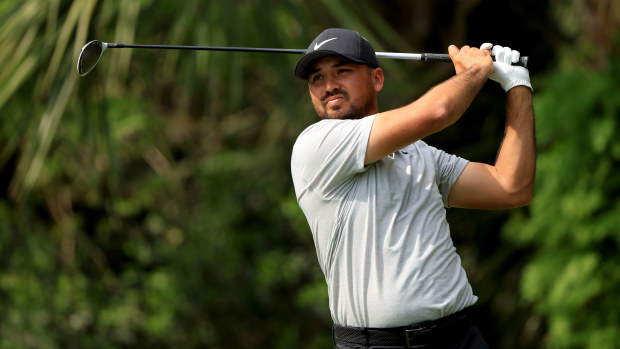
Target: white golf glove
504, 72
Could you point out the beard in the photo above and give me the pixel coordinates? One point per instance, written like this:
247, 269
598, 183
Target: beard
353, 112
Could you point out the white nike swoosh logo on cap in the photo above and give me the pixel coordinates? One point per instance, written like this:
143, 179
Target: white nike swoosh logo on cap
316, 46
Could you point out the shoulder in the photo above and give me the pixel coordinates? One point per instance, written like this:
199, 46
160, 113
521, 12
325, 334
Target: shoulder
336, 129
327, 124
313, 133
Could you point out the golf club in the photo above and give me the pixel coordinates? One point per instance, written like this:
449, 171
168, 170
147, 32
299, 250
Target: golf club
92, 51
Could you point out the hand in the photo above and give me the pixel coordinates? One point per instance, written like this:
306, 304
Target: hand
466, 57
504, 72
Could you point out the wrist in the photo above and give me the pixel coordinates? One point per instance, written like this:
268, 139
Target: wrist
518, 83
477, 74
519, 90
519, 95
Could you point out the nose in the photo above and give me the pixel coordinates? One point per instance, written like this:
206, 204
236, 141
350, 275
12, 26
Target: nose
331, 83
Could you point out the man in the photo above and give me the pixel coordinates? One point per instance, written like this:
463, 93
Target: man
375, 195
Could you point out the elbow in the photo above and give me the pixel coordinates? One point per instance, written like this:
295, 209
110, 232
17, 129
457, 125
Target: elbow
434, 114
521, 197
518, 189
441, 113
439, 117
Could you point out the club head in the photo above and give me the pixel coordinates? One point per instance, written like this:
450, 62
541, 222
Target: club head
90, 55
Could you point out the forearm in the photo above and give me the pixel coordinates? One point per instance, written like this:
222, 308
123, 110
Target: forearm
516, 160
452, 98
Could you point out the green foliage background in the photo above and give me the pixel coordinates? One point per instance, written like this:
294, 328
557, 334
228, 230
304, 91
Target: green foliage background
149, 204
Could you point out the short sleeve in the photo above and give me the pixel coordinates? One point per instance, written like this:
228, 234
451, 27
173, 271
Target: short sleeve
449, 168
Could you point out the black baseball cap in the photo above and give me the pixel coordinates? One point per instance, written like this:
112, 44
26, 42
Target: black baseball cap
346, 43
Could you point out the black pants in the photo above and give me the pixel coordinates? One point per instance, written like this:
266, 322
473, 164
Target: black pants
470, 339
456, 331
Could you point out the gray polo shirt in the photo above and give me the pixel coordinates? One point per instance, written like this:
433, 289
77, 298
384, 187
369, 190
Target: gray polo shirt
380, 231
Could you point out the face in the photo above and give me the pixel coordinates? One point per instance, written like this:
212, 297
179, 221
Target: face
341, 89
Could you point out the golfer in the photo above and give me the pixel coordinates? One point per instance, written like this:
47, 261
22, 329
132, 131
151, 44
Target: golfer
374, 194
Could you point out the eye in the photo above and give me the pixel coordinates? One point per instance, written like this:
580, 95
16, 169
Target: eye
343, 70
316, 77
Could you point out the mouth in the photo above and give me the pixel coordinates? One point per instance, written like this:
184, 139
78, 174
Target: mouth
334, 101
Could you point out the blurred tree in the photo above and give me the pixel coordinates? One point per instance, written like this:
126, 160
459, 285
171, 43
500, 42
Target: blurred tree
572, 227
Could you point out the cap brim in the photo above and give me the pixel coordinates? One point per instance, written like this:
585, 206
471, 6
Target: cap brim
302, 70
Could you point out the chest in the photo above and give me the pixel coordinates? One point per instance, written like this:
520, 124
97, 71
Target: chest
407, 177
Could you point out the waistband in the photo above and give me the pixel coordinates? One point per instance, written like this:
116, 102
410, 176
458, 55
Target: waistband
418, 335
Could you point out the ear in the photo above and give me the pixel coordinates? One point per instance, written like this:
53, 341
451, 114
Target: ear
378, 78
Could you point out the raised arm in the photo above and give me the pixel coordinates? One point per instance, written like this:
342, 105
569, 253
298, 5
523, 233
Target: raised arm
510, 181
440, 107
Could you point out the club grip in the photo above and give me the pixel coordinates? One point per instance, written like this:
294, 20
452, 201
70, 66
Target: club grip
442, 57
436, 57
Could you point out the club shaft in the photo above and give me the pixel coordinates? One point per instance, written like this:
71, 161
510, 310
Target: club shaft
395, 55
432, 57
210, 48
